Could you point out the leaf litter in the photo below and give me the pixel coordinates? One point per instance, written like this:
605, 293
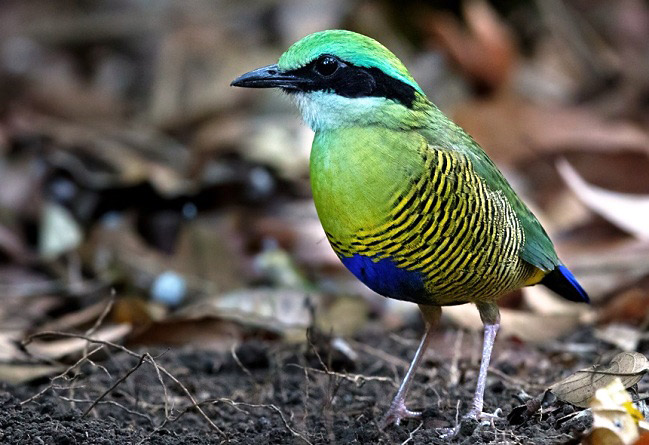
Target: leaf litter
128, 167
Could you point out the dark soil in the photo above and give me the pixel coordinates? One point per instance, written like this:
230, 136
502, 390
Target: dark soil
274, 388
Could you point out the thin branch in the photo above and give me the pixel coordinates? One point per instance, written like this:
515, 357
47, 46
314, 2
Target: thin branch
412, 434
358, 379
110, 402
233, 352
116, 384
273, 407
61, 375
127, 351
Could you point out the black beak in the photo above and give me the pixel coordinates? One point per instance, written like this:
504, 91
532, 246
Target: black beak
269, 77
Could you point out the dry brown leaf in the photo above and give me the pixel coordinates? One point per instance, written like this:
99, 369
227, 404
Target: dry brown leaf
485, 51
60, 348
278, 310
75, 319
514, 323
512, 129
628, 212
622, 336
213, 334
611, 265
16, 374
580, 387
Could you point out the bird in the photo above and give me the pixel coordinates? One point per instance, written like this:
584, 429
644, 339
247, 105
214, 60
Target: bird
409, 202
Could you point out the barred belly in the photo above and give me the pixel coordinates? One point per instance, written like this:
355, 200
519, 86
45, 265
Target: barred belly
448, 239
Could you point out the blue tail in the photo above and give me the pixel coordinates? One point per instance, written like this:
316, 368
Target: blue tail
564, 283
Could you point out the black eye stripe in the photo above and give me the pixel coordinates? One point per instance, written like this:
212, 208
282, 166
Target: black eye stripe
352, 81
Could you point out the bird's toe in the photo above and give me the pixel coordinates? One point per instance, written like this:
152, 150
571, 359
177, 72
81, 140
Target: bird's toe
481, 416
397, 412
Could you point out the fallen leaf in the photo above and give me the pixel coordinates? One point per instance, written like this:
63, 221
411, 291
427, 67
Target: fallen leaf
60, 348
606, 267
628, 212
523, 325
16, 374
512, 129
278, 310
581, 386
623, 336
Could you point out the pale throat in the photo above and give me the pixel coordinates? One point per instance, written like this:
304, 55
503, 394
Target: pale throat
325, 110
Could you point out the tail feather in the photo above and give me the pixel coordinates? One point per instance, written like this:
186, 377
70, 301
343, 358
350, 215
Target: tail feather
564, 283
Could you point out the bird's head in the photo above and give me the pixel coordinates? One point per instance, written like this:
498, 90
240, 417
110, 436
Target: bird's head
341, 78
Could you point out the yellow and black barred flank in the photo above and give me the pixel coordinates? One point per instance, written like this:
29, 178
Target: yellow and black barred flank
462, 238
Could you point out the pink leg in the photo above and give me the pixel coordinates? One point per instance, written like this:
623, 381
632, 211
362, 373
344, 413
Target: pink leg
490, 331
491, 319
398, 410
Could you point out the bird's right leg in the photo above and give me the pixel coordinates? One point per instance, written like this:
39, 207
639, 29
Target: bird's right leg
398, 410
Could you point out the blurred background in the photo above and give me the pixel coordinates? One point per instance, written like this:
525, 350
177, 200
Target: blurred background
137, 184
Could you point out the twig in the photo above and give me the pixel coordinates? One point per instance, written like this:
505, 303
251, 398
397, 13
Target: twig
315, 350
164, 387
273, 407
358, 379
110, 402
127, 351
382, 355
412, 433
116, 384
155, 431
238, 362
97, 324
61, 375
103, 315
514, 381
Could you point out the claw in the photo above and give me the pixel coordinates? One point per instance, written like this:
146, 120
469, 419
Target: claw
481, 416
397, 413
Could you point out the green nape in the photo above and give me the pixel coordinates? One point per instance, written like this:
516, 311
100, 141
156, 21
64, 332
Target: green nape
349, 46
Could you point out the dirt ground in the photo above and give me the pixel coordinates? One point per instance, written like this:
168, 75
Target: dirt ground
270, 392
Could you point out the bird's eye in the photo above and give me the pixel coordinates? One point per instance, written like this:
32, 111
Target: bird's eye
326, 66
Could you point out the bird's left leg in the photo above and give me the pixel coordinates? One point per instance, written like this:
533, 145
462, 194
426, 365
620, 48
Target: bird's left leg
398, 410
490, 316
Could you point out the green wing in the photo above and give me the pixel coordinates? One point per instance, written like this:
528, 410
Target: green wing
537, 249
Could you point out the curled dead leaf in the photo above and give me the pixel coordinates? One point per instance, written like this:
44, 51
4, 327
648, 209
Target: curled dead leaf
628, 212
579, 388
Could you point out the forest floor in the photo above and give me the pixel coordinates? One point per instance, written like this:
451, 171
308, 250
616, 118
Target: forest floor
275, 393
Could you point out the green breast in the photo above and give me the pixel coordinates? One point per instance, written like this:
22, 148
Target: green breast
389, 196
356, 173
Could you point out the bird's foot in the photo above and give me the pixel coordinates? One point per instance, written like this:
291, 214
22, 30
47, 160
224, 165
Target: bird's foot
398, 412
481, 416
469, 422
